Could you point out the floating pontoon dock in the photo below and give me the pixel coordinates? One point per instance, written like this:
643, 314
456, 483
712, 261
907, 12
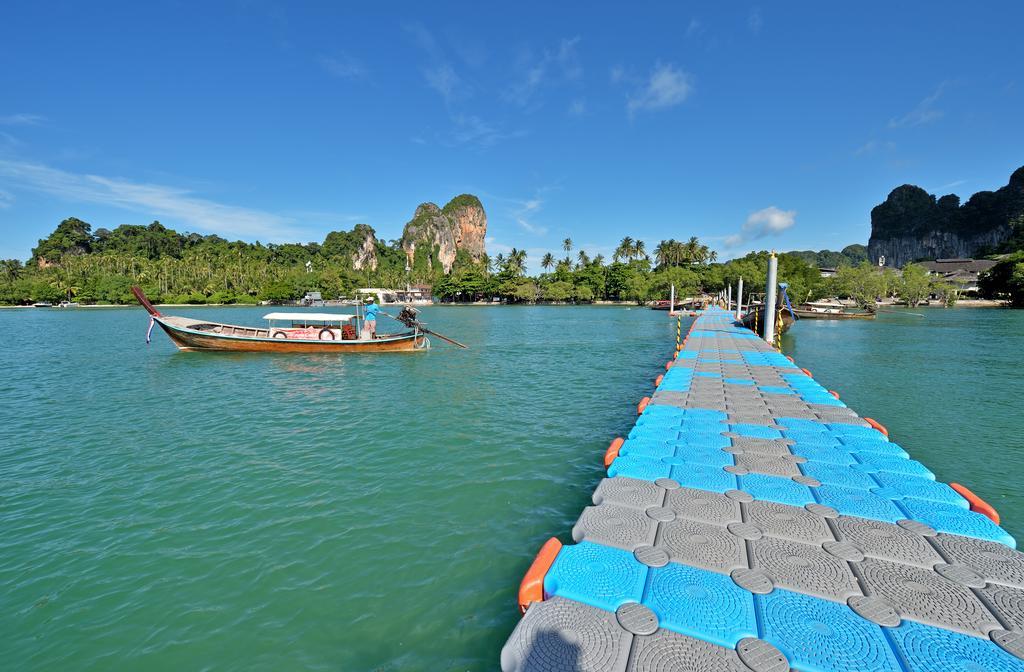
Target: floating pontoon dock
752, 522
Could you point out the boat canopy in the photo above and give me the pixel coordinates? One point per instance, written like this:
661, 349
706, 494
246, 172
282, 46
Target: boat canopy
309, 317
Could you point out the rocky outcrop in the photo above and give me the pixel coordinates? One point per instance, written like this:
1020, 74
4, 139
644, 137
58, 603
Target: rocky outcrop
436, 235
359, 246
913, 225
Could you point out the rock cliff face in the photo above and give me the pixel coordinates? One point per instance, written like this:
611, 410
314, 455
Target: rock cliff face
912, 224
440, 233
358, 246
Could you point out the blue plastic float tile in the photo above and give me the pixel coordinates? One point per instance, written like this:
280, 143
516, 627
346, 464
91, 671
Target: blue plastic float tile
954, 520
739, 381
755, 431
707, 441
708, 374
653, 433
857, 502
835, 474
643, 468
873, 462
645, 448
920, 488
855, 431
819, 635
776, 489
701, 604
659, 410
928, 649
685, 354
705, 413
697, 476
865, 444
601, 576
775, 389
805, 424
708, 457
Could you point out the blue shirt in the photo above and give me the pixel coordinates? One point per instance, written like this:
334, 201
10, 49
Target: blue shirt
371, 312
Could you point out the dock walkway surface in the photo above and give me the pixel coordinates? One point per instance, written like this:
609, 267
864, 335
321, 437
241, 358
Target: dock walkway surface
752, 522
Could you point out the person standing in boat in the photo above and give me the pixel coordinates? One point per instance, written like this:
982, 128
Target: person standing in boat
370, 319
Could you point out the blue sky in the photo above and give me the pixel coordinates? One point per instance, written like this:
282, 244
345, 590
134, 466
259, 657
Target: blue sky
748, 125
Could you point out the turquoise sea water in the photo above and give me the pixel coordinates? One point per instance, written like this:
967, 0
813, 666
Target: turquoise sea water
169, 511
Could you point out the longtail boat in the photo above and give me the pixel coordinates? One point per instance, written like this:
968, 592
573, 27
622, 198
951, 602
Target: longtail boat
285, 332
829, 310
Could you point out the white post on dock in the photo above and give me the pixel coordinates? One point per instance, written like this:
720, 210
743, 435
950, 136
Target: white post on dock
739, 299
672, 301
728, 299
769, 299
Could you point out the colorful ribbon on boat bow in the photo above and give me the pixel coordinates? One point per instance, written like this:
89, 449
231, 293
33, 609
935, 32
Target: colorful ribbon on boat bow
149, 332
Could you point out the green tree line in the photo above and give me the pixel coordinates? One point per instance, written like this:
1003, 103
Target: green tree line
100, 267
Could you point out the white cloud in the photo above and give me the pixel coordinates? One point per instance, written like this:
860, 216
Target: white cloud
525, 212
694, 29
443, 79
754, 20
616, 74
667, 87
6, 198
559, 66
21, 119
923, 113
152, 200
472, 130
872, 146
344, 66
768, 221
577, 108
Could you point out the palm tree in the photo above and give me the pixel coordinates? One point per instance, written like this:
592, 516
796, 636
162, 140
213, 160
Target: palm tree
598, 260
713, 256
639, 249
567, 244
624, 250
584, 258
547, 261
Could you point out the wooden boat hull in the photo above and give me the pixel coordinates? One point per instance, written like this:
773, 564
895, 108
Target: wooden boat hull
755, 317
814, 315
194, 339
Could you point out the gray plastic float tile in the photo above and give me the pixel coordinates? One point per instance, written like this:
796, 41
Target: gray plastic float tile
767, 464
614, 525
770, 447
886, 541
702, 545
994, 561
922, 595
788, 522
560, 634
1007, 602
628, 492
703, 506
637, 618
666, 651
804, 568
760, 656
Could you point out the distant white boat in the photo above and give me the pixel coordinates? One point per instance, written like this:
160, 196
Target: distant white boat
42, 304
68, 304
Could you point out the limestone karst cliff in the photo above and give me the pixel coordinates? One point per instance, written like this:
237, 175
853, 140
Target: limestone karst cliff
436, 235
912, 224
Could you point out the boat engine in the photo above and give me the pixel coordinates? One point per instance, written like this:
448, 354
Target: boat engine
409, 317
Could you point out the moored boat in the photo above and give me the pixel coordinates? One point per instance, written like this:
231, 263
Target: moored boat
829, 309
285, 332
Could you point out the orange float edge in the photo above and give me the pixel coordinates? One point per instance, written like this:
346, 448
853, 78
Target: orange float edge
978, 505
657, 381
806, 372
531, 588
668, 365
612, 452
791, 360
834, 393
877, 425
642, 405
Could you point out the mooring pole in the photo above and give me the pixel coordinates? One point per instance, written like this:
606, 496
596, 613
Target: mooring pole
769, 299
739, 299
672, 300
728, 298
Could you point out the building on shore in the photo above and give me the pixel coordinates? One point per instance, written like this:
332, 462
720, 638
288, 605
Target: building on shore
963, 274
411, 295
